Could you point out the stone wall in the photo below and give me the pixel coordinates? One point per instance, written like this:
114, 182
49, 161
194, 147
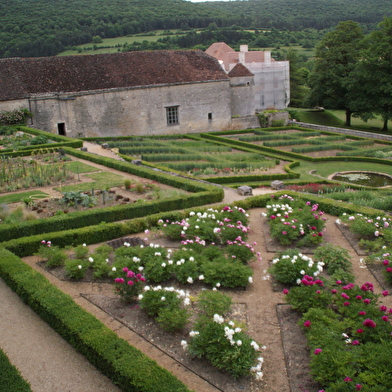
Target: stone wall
242, 96
7, 106
343, 131
202, 107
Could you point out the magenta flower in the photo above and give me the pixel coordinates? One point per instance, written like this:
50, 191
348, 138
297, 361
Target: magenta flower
385, 293
347, 379
345, 296
130, 274
384, 318
334, 291
338, 282
385, 262
355, 342
125, 269
369, 323
346, 303
389, 269
383, 308
119, 280
307, 323
317, 351
359, 297
285, 291
130, 282
366, 301
362, 313
358, 387
359, 330
284, 232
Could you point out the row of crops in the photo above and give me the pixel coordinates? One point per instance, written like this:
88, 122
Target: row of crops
196, 157
313, 141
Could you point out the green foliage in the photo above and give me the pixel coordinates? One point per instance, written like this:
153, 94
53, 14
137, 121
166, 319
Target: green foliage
53, 255
172, 319
227, 274
291, 266
211, 302
78, 198
11, 379
76, 268
333, 257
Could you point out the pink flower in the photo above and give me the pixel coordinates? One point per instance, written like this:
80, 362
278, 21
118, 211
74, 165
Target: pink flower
369, 323
362, 313
345, 296
347, 379
285, 291
366, 301
346, 303
385, 293
125, 269
130, 274
383, 308
389, 269
355, 342
385, 262
359, 330
119, 280
307, 323
334, 291
284, 232
358, 297
130, 282
272, 217
338, 282
384, 318
317, 351
358, 387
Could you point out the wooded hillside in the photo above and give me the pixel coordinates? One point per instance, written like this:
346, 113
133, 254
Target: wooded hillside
47, 27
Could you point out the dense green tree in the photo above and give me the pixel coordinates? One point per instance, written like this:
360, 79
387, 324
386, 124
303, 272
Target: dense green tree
298, 78
373, 75
336, 57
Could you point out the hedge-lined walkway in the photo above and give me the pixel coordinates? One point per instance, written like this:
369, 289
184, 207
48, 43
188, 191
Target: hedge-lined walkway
46, 361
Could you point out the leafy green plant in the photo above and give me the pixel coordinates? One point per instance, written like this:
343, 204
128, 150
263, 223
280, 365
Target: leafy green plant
291, 266
53, 255
334, 258
210, 302
75, 268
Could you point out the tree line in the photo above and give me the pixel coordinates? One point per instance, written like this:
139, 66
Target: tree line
45, 27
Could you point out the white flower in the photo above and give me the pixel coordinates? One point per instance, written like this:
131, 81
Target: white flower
190, 280
141, 269
163, 265
193, 333
191, 259
250, 279
218, 319
163, 299
79, 266
114, 269
239, 342
302, 272
254, 345
259, 375
218, 285
90, 259
184, 344
140, 297
84, 245
237, 330
201, 277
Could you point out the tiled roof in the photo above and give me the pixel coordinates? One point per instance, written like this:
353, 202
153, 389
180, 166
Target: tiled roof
223, 52
239, 70
22, 77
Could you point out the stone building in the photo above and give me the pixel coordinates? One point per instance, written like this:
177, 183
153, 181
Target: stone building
132, 93
271, 78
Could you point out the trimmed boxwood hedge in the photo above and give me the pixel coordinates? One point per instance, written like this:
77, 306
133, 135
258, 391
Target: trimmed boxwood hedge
125, 365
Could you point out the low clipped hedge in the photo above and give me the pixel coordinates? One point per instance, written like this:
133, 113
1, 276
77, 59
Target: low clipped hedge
11, 379
125, 365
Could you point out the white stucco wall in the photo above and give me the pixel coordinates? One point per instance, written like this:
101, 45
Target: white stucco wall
136, 111
7, 106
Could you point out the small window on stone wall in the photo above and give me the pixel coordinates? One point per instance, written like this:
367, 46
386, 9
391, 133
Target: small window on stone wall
172, 115
209, 116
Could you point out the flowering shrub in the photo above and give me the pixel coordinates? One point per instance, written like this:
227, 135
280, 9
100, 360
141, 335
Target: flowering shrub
226, 346
370, 228
53, 255
318, 189
347, 332
211, 226
295, 221
291, 266
76, 268
129, 285
17, 116
167, 305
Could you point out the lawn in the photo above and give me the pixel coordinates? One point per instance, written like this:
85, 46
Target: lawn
17, 197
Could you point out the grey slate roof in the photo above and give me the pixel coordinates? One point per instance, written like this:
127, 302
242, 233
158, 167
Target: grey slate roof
23, 77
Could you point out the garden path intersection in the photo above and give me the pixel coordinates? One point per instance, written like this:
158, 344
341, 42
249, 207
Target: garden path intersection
49, 364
